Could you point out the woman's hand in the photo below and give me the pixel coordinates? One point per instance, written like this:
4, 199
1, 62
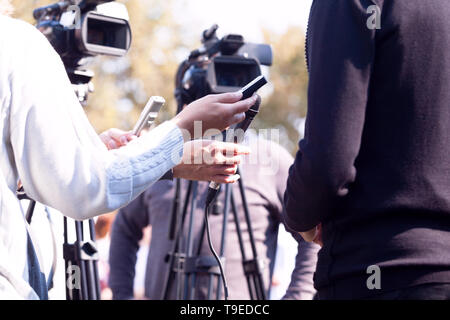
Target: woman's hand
116, 138
313, 235
213, 112
206, 160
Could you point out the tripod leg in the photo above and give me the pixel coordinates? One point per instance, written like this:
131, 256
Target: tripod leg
241, 243
175, 248
92, 295
174, 217
96, 280
199, 251
81, 264
70, 292
88, 270
259, 283
30, 211
190, 239
210, 289
224, 235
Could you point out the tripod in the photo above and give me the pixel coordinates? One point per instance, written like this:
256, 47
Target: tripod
185, 266
80, 257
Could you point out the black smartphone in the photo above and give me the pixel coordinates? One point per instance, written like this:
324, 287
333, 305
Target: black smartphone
253, 86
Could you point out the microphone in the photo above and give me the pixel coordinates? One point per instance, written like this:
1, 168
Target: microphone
214, 188
240, 129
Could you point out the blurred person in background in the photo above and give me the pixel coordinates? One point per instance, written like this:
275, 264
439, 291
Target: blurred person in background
103, 240
48, 143
264, 184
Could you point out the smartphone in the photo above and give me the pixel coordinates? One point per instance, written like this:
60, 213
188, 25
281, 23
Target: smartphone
149, 114
253, 86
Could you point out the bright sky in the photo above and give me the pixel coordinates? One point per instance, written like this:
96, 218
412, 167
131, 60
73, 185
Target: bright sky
246, 17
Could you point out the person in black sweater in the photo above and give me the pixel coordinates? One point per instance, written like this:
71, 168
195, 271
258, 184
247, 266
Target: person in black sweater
371, 180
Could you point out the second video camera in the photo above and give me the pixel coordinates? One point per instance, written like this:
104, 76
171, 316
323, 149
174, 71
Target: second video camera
221, 65
79, 28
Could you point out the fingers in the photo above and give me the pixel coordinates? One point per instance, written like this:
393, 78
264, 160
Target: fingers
227, 170
225, 179
111, 145
108, 141
318, 238
220, 159
319, 242
230, 97
309, 235
228, 149
116, 134
237, 118
242, 106
223, 174
236, 111
208, 159
230, 169
207, 152
116, 138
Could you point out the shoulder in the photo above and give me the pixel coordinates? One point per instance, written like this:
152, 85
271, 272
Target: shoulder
19, 30
23, 38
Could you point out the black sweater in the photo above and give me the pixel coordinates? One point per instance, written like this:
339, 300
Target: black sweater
374, 166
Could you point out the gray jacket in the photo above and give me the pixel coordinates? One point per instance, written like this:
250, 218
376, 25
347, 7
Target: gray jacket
264, 174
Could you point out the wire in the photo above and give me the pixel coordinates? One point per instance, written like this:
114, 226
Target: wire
208, 233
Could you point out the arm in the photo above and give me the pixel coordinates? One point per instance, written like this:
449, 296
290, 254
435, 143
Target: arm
125, 236
59, 157
341, 52
301, 286
203, 160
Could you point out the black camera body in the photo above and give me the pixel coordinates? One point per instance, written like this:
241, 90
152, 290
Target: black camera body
90, 33
78, 29
221, 65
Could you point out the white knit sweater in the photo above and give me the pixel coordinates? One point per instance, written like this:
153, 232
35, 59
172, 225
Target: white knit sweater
47, 142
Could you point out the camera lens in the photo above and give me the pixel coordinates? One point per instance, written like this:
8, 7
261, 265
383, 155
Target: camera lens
108, 34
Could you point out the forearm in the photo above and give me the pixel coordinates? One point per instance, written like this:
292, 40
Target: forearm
85, 180
301, 286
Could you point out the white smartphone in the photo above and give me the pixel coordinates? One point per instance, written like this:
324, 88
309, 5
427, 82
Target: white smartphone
149, 114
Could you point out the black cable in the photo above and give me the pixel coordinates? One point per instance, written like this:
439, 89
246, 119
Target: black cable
216, 256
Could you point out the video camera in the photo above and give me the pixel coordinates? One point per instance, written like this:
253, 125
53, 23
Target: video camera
221, 65
78, 29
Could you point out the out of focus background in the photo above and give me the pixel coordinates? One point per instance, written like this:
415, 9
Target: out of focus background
165, 31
